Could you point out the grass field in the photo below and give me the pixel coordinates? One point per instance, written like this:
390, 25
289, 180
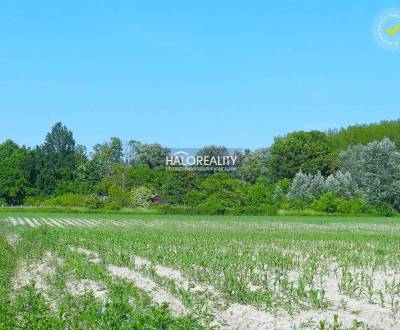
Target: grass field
87, 271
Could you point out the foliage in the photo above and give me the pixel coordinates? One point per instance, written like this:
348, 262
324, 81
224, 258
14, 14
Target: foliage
212, 151
59, 172
93, 202
281, 190
35, 200
364, 134
13, 177
108, 152
310, 152
141, 197
67, 200
307, 187
260, 194
328, 202
375, 168
253, 165
218, 189
174, 185
55, 160
151, 155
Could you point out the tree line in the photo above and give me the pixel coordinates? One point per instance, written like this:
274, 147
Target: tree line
352, 170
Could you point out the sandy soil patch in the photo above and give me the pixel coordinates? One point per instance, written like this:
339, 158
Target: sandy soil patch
12, 239
80, 287
39, 273
157, 294
93, 256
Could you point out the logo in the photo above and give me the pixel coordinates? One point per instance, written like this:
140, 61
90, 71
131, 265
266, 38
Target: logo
387, 30
211, 159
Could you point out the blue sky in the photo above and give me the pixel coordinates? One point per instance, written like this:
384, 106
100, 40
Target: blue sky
192, 73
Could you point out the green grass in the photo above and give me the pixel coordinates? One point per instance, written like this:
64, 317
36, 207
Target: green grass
278, 264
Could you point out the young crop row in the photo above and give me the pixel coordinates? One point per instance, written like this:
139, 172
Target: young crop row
201, 274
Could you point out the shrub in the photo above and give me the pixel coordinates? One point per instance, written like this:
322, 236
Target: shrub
211, 208
93, 202
112, 206
141, 197
295, 204
328, 202
67, 200
259, 194
221, 189
355, 206
385, 210
118, 197
3, 202
253, 210
35, 200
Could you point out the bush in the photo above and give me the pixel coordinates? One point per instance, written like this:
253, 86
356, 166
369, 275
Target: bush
385, 210
327, 203
253, 210
141, 197
35, 200
295, 204
119, 197
93, 202
355, 206
172, 209
221, 189
210, 208
67, 200
112, 206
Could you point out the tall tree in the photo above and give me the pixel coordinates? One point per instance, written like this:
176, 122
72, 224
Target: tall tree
106, 155
309, 152
109, 152
13, 178
56, 159
375, 168
214, 152
151, 155
253, 165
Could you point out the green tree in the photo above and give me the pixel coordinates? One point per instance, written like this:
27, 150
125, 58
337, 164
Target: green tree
309, 152
375, 168
363, 134
13, 177
151, 155
221, 189
176, 184
56, 159
106, 154
253, 165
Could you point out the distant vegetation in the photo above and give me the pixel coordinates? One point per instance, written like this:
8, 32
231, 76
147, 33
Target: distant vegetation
362, 134
352, 171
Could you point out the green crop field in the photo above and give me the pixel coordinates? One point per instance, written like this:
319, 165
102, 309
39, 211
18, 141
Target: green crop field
88, 271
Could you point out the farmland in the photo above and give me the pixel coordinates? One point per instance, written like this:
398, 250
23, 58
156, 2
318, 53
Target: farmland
90, 271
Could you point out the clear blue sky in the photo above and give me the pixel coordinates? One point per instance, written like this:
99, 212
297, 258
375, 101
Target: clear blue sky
192, 73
